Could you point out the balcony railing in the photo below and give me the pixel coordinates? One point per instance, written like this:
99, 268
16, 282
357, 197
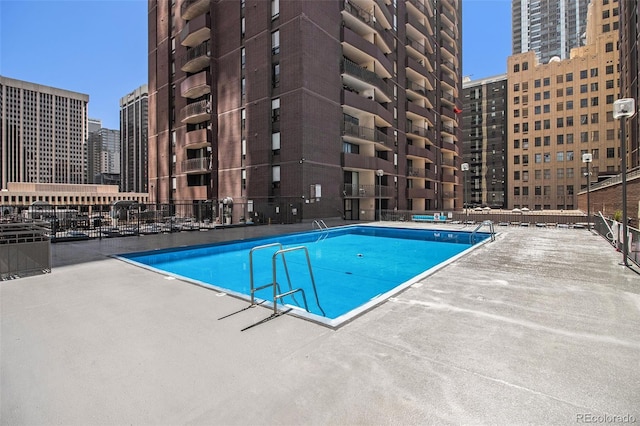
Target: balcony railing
427, 193
419, 47
421, 173
196, 112
368, 19
366, 191
422, 8
196, 31
351, 68
192, 8
419, 89
196, 165
421, 153
196, 58
448, 128
366, 133
448, 32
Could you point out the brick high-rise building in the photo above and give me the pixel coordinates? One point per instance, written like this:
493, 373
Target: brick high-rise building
306, 109
559, 111
43, 133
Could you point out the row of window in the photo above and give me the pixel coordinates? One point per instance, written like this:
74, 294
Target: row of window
543, 190
566, 139
561, 156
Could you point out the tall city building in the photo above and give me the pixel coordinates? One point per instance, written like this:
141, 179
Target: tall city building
134, 171
316, 109
43, 132
559, 111
630, 71
103, 154
484, 141
548, 27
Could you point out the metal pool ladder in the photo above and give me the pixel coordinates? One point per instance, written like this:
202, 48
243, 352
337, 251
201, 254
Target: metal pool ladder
489, 223
322, 227
277, 292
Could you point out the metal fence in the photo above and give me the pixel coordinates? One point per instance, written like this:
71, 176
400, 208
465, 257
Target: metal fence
25, 249
498, 217
611, 230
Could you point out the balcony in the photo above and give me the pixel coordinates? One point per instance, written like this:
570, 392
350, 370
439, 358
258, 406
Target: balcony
419, 26
353, 12
421, 8
420, 90
196, 165
449, 178
449, 162
363, 162
196, 112
427, 193
196, 58
451, 147
428, 134
448, 128
192, 8
420, 48
449, 32
448, 112
421, 112
448, 97
425, 153
353, 131
356, 46
354, 102
196, 85
450, 195
350, 190
421, 173
420, 68
197, 139
448, 47
446, 78
196, 31
350, 68
449, 15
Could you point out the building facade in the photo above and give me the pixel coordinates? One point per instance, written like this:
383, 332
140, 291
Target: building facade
630, 72
560, 111
484, 141
133, 167
103, 155
316, 109
43, 133
548, 27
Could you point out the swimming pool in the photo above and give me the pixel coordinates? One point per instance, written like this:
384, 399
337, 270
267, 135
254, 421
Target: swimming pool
349, 269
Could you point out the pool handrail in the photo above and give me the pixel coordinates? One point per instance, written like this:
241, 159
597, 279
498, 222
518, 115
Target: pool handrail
253, 289
277, 295
489, 223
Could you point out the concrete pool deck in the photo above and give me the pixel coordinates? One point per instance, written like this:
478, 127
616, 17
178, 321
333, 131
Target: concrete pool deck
539, 327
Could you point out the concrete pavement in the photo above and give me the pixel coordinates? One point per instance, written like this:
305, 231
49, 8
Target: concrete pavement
538, 327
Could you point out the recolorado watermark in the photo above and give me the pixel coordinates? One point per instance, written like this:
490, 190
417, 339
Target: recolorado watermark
605, 418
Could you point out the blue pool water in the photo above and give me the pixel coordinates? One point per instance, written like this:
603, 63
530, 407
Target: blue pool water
353, 266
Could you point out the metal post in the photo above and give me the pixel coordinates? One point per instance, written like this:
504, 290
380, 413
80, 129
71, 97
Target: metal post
379, 173
465, 168
623, 147
588, 198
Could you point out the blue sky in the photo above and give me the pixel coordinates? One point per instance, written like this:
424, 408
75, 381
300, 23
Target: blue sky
99, 47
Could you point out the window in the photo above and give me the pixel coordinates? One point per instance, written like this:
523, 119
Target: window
525, 127
538, 174
537, 141
275, 176
609, 99
560, 156
569, 105
525, 66
560, 175
559, 78
611, 152
525, 175
546, 81
516, 143
594, 72
584, 136
516, 159
537, 125
606, 28
538, 158
584, 102
609, 69
275, 110
516, 67
525, 159
546, 140
547, 157
569, 138
275, 42
516, 128
516, 100
559, 139
243, 58
569, 76
275, 75
569, 158
525, 190
525, 144
525, 99
275, 9
594, 101
594, 87
569, 91
536, 83
525, 85
595, 136
516, 175
275, 142
547, 94
559, 122
609, 47
546, 108
605, 14
536, 110
516, 87
243, 88
546, 124
536, 96
547, 175
609, 84
583, 74
610, 134
594, 118
584, 88
559, 92
516, 190
516, 113
559, 106
537, 190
